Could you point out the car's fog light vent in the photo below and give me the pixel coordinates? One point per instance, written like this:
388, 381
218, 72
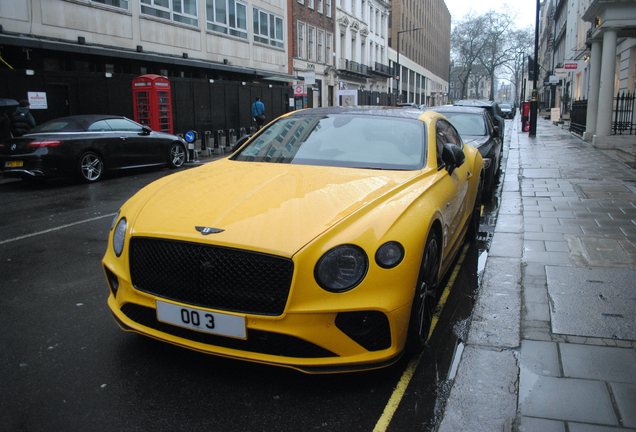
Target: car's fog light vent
368, 328
113, 281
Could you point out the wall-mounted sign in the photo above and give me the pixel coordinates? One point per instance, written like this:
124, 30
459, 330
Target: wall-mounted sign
310, 78
37, 100
300, 90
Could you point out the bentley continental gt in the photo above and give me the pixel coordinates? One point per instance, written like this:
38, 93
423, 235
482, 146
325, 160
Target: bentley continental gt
317, 245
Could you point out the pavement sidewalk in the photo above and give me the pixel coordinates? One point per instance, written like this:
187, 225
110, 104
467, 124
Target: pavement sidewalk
552, 343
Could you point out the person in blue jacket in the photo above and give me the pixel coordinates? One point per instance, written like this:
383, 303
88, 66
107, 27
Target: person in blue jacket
258, 113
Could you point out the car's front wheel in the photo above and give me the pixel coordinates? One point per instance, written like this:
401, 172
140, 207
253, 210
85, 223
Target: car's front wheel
91, 167
177, 156
425, 300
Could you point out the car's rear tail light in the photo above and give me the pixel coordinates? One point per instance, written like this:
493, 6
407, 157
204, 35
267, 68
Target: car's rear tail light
35, 144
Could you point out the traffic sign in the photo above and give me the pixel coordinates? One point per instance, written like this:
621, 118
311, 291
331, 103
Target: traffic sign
300, 90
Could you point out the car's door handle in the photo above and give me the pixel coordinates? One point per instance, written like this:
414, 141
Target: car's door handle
469, 175
122, 138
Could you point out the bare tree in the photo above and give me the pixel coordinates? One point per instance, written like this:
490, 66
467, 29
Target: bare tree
523, 42
467, 44
498, 48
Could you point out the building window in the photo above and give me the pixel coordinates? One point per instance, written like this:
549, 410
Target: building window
183, 11
328, 49
301, 40
227, 16
301, 2
371, 19
117, 3
378, 28
320, 6
328, 7
268, 28
320, 45
310, 4
311, 38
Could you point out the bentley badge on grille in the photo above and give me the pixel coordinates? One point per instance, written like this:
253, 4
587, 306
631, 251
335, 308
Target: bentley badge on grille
208, 230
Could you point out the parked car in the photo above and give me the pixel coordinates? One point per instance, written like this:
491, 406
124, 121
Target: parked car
507, 110
477, 129
411, 105
87, 146
493, 109
318, 245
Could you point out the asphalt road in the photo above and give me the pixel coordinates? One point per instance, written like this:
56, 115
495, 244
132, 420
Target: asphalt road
66, 365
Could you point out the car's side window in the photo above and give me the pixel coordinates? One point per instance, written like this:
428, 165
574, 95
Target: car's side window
124, 125
440, 141
448, 133
99, 126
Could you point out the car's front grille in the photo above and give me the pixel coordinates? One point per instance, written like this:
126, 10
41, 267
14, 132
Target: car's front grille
257, 341
211, 276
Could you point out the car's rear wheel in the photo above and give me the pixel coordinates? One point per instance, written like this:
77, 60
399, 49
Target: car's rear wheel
91, 167
425, 300
177, 156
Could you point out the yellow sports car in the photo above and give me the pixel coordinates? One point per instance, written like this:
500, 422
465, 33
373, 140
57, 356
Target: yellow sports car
318, 245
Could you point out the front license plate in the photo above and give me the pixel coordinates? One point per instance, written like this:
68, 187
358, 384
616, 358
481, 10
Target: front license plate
13, 164
201, 320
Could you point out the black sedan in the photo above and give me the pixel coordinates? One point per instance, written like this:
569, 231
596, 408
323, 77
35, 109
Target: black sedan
507, 110
477, 129
86, 146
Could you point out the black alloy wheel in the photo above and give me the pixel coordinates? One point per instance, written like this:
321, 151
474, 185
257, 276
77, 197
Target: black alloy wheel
425, 300
177, 156
91, 167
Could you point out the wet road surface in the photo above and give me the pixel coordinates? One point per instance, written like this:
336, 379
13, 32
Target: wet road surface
66, 365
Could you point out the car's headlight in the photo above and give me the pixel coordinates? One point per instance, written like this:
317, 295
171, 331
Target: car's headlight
119, 237
389, 255
342, 268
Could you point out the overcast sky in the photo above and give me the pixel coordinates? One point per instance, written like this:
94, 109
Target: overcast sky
527, 9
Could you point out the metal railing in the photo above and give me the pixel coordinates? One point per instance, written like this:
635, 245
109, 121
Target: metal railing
353, 66
578, 116
623, 123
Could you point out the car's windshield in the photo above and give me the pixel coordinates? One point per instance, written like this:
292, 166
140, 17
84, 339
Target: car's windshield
357, 141
467, 123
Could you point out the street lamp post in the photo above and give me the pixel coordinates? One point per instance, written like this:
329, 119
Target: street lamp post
397, 67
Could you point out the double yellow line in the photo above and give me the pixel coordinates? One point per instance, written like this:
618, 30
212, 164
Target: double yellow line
400, 389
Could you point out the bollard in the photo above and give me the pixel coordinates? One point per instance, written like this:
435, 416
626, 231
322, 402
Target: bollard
252, 130
208, 142
218, 148
231, 139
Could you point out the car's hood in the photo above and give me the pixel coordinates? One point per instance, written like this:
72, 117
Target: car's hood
267, 207
475, 140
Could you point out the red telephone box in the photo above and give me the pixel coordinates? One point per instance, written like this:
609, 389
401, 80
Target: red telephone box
153, 102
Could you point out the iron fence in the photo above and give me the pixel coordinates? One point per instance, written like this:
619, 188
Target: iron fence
578, 116
623, 123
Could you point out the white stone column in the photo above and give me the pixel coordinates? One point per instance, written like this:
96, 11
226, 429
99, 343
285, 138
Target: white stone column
606, 88
595, 81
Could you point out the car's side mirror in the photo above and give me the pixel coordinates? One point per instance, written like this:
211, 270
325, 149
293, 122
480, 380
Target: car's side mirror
240, 142
146, 130
453, 157
496, 132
